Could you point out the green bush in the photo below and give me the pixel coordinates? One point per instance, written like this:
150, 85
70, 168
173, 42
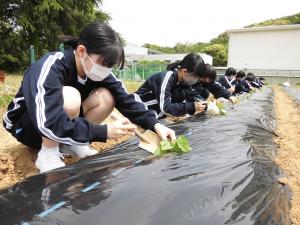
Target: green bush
9, 63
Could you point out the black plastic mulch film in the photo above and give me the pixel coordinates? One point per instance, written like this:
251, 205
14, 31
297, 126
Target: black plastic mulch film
229, 177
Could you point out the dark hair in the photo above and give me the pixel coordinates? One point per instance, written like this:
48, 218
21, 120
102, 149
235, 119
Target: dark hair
241, 74
250, 77
100, 38
69, 40
173, 66
230, 71
192, 62
210, 72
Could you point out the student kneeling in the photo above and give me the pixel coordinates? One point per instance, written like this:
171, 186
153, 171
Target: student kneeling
155, 93
65, 96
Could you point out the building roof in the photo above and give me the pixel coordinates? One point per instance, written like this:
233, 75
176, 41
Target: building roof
266, 28
134, 49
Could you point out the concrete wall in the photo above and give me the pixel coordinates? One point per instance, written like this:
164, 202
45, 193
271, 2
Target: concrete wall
271, 76
276, 48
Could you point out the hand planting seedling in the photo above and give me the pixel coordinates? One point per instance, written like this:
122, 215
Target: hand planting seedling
180, 145
199, 99
212, 108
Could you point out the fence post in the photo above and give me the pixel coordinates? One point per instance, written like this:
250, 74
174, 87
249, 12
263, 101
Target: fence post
61, 47
32, 54
134, 71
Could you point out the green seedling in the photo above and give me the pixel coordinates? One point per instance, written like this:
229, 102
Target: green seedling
221, 108
180, 145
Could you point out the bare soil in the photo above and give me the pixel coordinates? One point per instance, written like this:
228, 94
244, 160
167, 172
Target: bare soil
17, 160
288, 156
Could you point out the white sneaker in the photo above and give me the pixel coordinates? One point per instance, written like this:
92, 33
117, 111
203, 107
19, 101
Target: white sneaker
49, 159
78, 151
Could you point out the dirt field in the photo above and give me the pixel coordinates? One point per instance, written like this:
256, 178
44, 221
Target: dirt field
288, 156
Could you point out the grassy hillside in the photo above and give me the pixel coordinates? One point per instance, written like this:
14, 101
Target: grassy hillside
293, 19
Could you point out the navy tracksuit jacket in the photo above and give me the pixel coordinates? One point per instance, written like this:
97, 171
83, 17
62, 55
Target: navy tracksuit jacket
246, 84
239, 87
225, 82
215, 88
256, 83
155, 92
41, 95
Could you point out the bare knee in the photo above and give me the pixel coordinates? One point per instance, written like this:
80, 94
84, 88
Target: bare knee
100, 98
98, 106
105, 97
72, 101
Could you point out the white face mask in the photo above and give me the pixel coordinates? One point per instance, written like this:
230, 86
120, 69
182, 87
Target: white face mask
97, 72
189, 80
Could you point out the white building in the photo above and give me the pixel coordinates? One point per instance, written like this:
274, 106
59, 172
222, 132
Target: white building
132, 49
134, 53
265, 48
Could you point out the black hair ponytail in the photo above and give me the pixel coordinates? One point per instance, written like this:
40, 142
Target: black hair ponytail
192, 62
69, 40
173, 66
100, 38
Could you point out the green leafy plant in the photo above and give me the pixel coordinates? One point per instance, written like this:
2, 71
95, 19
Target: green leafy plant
180, 145
221, 107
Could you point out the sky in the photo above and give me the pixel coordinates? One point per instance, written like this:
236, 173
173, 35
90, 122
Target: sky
167, 22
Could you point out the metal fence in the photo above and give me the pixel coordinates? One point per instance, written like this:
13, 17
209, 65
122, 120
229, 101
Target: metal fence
138, 72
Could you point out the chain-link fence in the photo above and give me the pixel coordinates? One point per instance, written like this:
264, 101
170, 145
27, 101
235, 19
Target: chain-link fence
137, 71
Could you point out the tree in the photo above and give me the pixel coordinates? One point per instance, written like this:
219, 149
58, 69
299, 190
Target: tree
39, 23
221, 39
219, 54
167, 50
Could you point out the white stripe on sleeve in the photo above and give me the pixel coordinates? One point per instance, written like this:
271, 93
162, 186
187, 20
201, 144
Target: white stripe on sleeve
162, 93
40, 103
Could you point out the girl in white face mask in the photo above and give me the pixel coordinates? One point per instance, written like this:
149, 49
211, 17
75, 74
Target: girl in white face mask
97, 72
65, 96
157, 91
